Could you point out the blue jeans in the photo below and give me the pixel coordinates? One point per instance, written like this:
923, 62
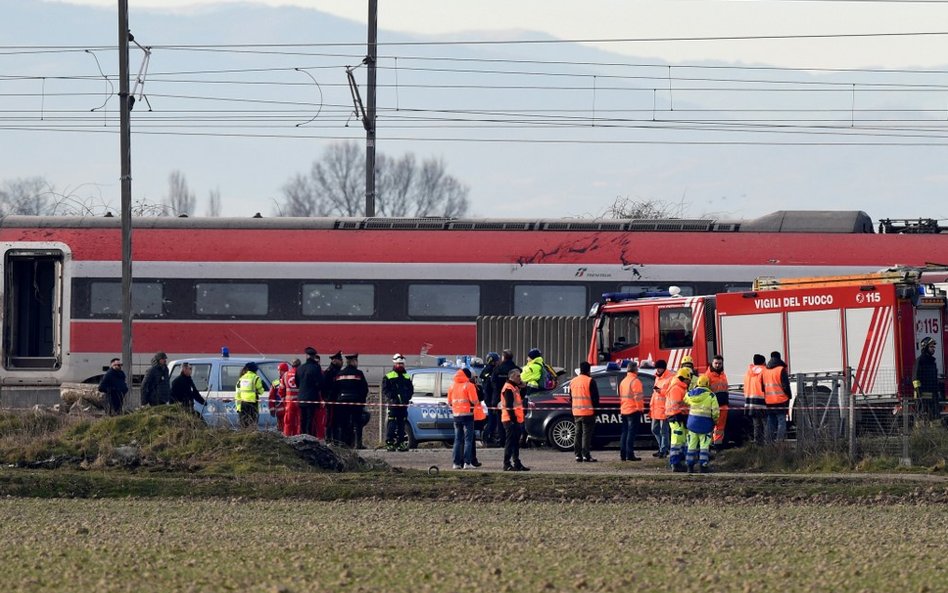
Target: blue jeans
630, 425
776, 425
662, 434
463, 440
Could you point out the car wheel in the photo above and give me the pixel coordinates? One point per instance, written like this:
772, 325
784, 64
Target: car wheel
412, 441
562, 433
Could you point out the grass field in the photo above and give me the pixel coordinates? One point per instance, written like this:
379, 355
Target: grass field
369, 545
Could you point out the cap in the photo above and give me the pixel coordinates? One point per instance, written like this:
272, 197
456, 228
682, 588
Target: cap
684, 373
534, 353
310, 351
398, 359
352, 356
704, 381
336, 356
283, 367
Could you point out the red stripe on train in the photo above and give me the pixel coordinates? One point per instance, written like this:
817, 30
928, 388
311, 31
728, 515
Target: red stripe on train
249, 338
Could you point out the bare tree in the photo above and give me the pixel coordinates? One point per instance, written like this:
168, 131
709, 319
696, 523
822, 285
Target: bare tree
180, 199
335, 186
214, 203
638, 209
28, 195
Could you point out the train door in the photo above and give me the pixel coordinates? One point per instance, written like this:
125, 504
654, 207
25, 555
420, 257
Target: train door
32, 306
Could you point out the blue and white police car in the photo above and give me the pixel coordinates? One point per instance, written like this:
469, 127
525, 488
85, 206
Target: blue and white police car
429, 415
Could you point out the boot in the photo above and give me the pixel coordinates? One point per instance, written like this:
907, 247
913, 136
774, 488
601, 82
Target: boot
389, 446
358, 439
519, 467
705, 469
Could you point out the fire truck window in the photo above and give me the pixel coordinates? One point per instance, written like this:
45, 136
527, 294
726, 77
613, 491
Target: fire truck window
674, 328
105, 298
547, 299
347, 300
231, 298
624, 330
444, 300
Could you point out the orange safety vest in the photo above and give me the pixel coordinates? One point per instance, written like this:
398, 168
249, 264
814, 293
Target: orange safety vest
631, 398
754, 387
517, 404
675, 400
462, 395
773, 389
582, 399
656, 406
718, 381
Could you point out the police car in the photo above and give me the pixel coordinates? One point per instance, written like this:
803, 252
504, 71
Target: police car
216, 379
429, 415
549, 417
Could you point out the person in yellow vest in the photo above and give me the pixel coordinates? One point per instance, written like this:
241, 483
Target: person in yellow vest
249, 389
585, 398
777, 397
717, 383
677, 412
755, 405
656, 408
511, 417
702, 415
462, 397
631, 408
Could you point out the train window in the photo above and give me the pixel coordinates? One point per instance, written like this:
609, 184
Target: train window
685, 290
675, 328
345, 300
444, 300
105, 298
546, 299
231, 298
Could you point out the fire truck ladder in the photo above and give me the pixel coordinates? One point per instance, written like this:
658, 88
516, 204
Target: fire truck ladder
890, 276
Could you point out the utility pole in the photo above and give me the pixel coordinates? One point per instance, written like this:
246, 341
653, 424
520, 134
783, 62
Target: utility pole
370, 60
125, 147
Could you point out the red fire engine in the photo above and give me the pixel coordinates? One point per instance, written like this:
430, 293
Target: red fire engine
870, 323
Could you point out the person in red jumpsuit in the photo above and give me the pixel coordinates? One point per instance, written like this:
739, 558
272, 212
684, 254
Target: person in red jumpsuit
291, 392
275, 399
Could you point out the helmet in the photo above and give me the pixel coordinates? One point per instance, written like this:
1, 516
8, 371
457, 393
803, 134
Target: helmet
398, 359
283, 367
687, 360
926, 342
491, 356
704, 381
684, 373
534, 353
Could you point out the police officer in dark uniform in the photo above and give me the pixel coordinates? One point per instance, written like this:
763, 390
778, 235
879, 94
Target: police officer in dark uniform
330, 396
309, 379
397, 390
352, 391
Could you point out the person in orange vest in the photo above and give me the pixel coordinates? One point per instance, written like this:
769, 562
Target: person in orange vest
755, 405
462, 397
275, 397
585, 397
631, 407
717, 383
777, 397
511, 417
677, 412
291, 396
656, 408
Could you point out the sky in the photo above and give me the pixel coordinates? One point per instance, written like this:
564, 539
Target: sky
733, 128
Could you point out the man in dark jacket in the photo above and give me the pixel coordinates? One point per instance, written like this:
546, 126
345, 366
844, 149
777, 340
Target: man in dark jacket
155, 388
309, 378
352, 390
329, 396
184, 391
499, 377
113, 387
925, 380
397, 390
491, 398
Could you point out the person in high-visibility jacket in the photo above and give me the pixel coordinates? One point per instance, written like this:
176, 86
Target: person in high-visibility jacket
249, 389
656, 408
777, 397
291, 396
717, 383
631, 408
755, 405
688, 362
702, 415
462, 397
585, 399
397, 391
677, 411
512, 417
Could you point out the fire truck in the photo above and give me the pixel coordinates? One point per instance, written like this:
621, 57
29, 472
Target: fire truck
870, 323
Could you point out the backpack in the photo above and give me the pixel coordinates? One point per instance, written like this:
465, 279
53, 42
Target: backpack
547, 378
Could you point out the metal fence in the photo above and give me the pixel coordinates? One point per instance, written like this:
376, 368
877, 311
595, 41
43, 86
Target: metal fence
564, 340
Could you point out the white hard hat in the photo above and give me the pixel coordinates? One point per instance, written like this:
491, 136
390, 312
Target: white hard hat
398, 359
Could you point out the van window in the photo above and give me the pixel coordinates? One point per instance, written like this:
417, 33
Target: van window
675, 328
200, 374
230, 374
424, 383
